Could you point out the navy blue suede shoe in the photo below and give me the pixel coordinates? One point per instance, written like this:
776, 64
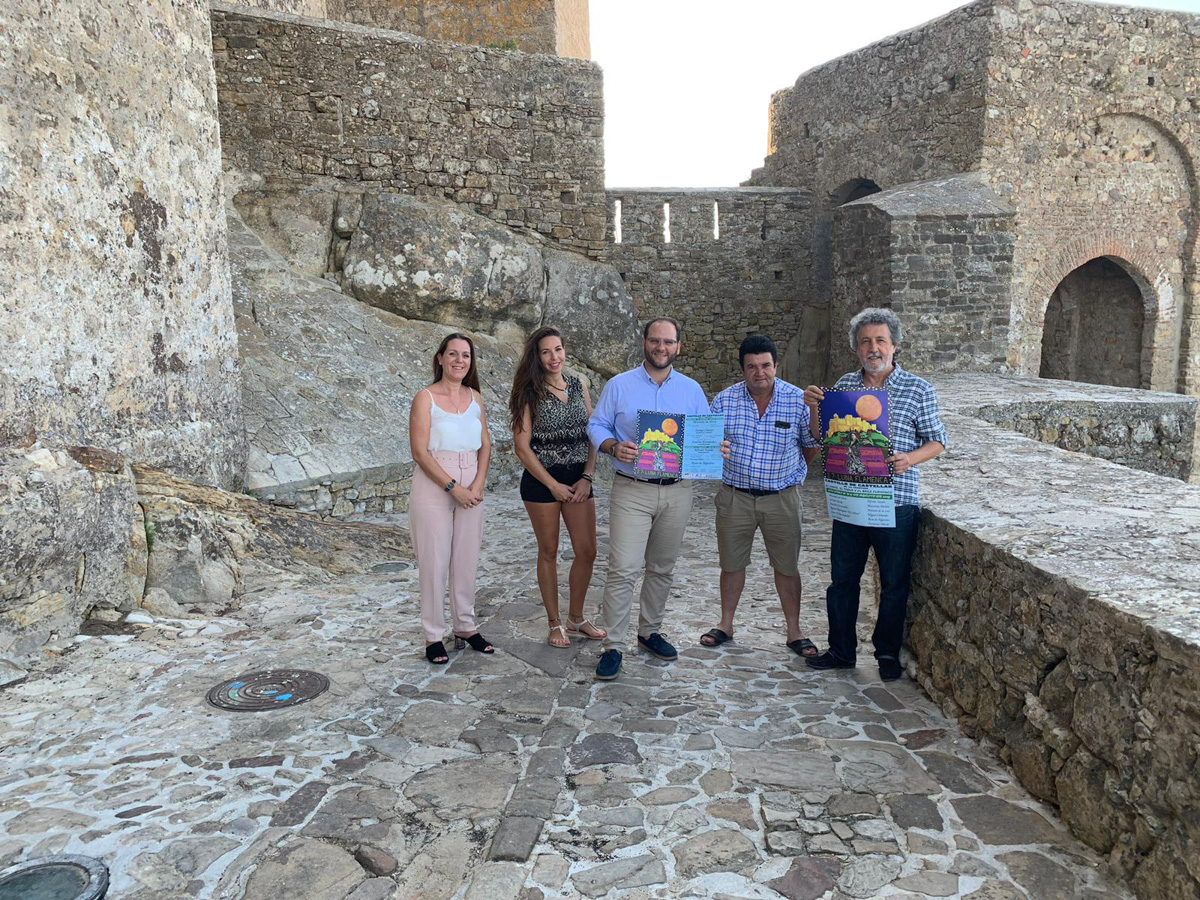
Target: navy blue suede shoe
827, 660
889, 668
658, 645
609, 665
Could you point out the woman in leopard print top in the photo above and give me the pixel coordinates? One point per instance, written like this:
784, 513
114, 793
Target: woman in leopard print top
549, 412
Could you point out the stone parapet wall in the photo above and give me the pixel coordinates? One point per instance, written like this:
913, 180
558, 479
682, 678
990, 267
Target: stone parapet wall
514, 137
1152, 439
116, 324
1054, 611
751, 277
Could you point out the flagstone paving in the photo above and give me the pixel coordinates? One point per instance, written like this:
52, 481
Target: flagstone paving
730, 773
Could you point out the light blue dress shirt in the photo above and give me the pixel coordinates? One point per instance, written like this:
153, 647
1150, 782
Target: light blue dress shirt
616, 413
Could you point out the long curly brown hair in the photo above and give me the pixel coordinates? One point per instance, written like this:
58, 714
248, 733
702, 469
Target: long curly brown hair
472, 377
529, 381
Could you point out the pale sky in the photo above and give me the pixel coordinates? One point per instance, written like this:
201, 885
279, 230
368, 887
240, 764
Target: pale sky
687, 82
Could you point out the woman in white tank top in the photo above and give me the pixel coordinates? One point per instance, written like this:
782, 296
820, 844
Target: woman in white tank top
448, 432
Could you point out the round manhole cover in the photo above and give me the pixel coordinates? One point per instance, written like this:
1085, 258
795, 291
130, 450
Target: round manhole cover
55, 878
272, 689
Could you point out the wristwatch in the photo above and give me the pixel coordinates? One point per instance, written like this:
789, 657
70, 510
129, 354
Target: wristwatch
450, 485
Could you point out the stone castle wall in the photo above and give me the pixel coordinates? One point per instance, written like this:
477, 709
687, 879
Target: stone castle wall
1095, 149
558, 27
907, 108
1080, 117
516, 138
1062, 629
750, 278
117, 322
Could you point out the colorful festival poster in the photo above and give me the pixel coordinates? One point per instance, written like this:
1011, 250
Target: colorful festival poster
661, 441
660, 444
703, 459
854, 451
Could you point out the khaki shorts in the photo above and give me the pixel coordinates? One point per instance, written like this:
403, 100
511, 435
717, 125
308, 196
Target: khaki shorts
739, 515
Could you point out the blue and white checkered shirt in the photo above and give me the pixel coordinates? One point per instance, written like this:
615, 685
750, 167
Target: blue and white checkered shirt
764, 452
913, 420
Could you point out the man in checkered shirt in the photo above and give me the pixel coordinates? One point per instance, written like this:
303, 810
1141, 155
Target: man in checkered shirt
917, 435
771, 444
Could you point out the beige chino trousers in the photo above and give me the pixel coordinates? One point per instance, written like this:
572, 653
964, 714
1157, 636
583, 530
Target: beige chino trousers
645, 529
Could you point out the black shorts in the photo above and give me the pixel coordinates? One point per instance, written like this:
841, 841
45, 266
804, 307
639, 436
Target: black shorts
533, 491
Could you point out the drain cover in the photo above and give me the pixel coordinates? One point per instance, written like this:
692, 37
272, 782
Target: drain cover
273, 689
55, 878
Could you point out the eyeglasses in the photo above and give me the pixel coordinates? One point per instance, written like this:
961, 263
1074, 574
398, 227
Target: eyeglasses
660, 342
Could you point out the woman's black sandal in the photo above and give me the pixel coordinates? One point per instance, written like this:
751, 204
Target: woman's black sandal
477, 642
436, 653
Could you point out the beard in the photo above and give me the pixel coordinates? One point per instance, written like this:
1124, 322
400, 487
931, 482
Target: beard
655, 365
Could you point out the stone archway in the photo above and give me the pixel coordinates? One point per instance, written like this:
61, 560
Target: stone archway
1094, 329
851, 190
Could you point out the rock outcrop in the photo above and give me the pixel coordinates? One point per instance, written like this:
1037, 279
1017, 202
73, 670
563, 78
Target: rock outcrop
329, 374
437, 263
85, 534
70, 538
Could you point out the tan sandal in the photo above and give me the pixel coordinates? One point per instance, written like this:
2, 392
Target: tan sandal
579, 629
563, 641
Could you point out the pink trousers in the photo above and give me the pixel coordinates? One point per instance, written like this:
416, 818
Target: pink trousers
446, 538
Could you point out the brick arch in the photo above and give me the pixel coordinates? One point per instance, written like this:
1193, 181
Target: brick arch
1191, 244
1144, 268
1148, 271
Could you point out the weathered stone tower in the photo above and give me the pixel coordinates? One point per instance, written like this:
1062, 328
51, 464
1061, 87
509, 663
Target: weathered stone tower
117, 322
1018, 180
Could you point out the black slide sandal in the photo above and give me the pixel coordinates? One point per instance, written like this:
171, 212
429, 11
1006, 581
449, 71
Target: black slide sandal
477, 641
718, 637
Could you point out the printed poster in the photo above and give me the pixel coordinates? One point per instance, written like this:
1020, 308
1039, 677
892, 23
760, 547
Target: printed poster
662, 438
854, 449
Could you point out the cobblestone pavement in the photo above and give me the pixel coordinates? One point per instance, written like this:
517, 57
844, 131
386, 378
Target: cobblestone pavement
730, 773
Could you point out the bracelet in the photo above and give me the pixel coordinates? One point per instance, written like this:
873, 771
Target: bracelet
586, 475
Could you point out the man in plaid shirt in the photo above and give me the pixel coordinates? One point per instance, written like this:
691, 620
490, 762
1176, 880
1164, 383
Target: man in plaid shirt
767, 426
917, 434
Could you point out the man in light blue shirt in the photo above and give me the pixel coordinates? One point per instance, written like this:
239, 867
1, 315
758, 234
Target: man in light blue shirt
647, 516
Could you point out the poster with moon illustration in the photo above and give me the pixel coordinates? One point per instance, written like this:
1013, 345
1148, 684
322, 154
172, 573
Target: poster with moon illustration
662, 438
854, 450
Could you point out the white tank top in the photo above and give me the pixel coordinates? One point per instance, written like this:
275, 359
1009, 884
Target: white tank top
454, 432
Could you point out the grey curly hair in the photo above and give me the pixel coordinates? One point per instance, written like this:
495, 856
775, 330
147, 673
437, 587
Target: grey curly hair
874, 315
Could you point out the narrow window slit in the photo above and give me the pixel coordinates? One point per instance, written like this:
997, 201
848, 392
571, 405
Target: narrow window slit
617, 221
666, 223
716, 221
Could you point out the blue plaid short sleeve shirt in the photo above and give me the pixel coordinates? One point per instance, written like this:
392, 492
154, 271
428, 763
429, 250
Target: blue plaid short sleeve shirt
913, 420
764, 452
